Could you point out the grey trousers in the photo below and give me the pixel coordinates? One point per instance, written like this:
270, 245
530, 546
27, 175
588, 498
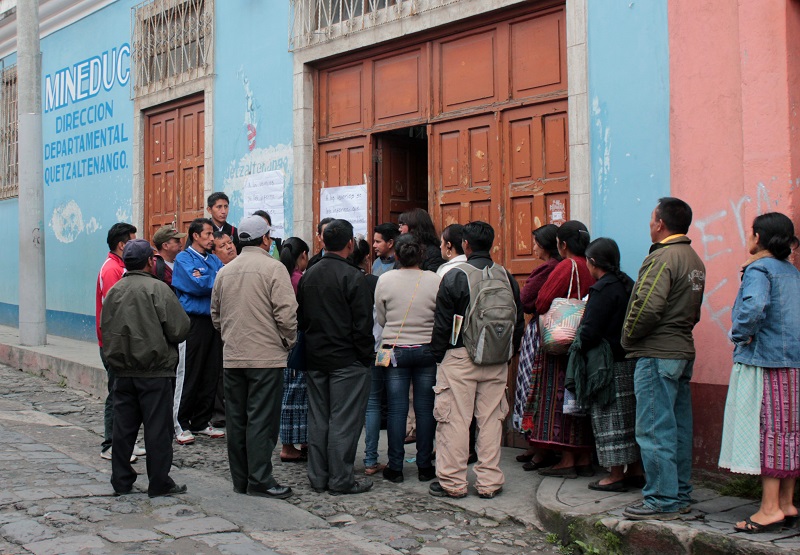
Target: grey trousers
337, 404
253, 410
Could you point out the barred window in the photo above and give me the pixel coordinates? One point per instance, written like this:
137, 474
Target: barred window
172, 41
317, 21
9, 137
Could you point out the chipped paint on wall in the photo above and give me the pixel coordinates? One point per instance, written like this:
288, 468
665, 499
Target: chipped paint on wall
67, 222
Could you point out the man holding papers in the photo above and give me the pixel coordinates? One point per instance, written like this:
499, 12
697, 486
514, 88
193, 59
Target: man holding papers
478, 327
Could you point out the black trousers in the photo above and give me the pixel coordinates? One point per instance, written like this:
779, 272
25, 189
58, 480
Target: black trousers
337, 404
140, 401
253, 414
203, 365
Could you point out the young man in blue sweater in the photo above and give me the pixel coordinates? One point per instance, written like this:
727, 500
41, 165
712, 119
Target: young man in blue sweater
193, 279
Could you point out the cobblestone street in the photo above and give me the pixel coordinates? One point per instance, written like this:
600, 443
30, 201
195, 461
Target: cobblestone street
57, 498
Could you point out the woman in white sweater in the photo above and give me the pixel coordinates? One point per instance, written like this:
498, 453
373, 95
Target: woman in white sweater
405, 301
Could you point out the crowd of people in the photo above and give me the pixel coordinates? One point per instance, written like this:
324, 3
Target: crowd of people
237, 334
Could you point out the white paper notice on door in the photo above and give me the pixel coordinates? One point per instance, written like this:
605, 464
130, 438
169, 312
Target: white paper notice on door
345, 203
264, 191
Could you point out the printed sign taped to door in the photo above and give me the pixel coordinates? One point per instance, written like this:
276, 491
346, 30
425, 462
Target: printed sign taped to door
345, 203
557, 209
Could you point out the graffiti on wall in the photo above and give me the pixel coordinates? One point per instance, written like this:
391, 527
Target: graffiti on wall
257, 159
723, 231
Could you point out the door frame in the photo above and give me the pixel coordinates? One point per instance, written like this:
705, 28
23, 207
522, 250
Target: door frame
203, 86
146, 114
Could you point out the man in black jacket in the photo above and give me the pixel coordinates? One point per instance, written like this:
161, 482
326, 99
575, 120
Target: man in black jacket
142, 323
336, 315
464, 388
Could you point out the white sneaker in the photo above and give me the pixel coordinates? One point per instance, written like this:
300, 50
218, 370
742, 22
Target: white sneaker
185, 437
139, 451
107, 455
211, 432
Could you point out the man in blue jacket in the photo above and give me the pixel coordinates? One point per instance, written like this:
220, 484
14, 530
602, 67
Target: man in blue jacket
193, 279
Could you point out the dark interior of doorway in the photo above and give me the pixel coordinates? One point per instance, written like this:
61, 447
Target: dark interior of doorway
401, 170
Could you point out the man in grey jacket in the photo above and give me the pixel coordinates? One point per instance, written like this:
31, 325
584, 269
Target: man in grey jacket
142, 323
663, 309
253, 306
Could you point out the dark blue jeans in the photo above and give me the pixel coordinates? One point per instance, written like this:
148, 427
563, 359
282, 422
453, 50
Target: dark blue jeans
373, 418
414, 365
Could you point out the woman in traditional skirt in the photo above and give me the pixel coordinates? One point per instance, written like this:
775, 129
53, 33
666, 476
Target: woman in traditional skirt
761, 434
614, 420
548, 427
294, 408
546, 250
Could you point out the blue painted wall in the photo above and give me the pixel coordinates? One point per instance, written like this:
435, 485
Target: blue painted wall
252, 133
87, 135
628, 59
253, 99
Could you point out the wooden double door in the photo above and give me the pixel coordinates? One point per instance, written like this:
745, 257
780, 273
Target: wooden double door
492, 101
174, 159
508, 168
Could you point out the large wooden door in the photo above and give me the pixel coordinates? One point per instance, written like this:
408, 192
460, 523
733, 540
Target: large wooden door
465, 173
401, 171
174, 164
535, 177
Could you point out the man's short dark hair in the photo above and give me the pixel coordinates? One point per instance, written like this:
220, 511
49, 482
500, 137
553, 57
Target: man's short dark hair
322, 222
214, 197
196, 226
675, 213
264, 215
479, 235
119, 233
220, 234
337, 234
389, 232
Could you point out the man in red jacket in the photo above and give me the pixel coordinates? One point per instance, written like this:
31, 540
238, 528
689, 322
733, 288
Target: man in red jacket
110, 273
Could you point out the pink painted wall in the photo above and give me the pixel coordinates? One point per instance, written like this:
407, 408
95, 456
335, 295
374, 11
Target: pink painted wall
735, 153
730, 142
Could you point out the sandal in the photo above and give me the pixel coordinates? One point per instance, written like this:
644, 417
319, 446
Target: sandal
791, 521
374, 469
751, 527
525, 457
617, 486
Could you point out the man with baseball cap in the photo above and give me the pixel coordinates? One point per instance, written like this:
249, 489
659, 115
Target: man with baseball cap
168, 244
142, 323
253, 305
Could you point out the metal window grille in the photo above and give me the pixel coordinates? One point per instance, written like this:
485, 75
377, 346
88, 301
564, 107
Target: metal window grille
172, 42
9, 134
318, 21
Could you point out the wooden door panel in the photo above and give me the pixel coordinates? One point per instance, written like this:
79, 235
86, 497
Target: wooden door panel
466, 70
538, 55
465, 174
402, 168
536, 177
344, 91
174, 165
400, 85
343, 163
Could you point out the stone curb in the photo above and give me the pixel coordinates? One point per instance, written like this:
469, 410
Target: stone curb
610, 534
80, 371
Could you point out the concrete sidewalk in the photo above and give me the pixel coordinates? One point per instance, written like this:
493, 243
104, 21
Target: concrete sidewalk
566, 508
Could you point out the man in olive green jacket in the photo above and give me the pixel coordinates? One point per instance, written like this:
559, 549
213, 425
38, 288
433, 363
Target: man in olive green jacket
142, 323
662, 312
254, 307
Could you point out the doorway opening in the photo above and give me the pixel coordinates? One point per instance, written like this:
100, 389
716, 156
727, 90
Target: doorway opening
401, 170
